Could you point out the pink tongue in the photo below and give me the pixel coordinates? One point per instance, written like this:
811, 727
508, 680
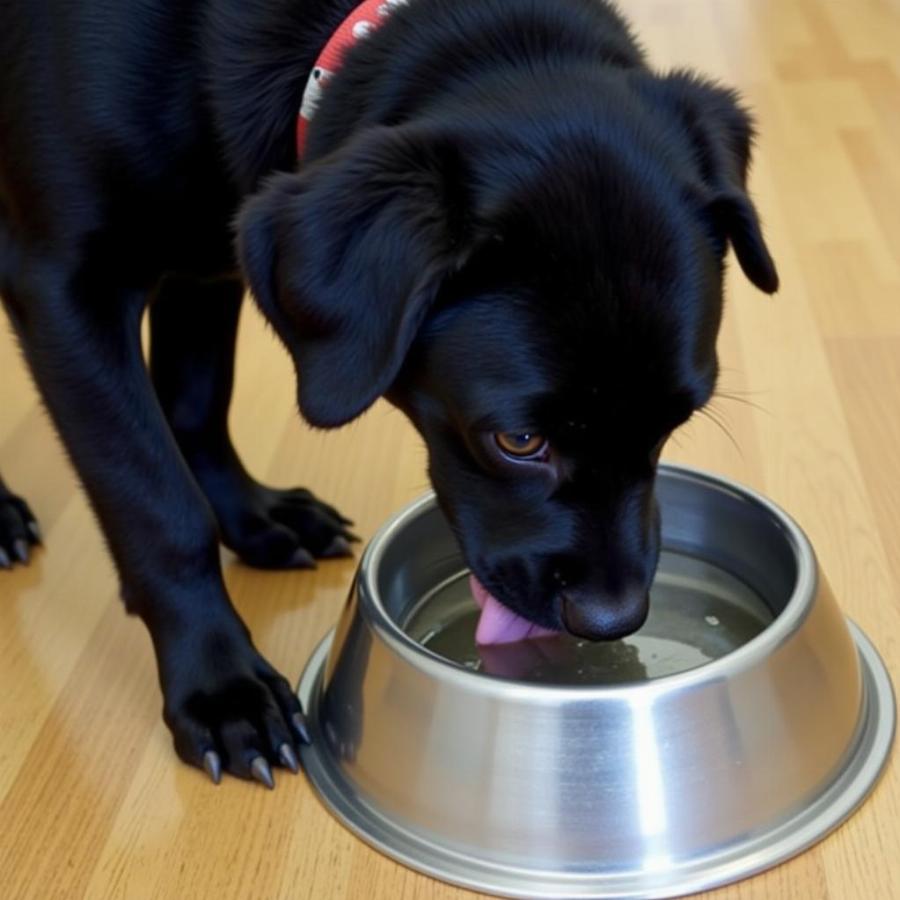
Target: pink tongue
499, 625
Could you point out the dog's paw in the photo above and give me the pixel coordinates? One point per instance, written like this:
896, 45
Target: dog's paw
18, 530
232, 712
285, 529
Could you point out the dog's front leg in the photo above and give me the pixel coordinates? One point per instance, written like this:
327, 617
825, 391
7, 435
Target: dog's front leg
193, 327
225, 705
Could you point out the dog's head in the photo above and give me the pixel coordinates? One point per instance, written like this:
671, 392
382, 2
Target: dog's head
542, 297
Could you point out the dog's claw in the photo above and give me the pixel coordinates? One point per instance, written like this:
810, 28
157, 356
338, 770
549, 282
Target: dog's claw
36, 534
4, 560
302, 559
300, 726
213, 766
339, 546
260, 770
20, 549
288, 758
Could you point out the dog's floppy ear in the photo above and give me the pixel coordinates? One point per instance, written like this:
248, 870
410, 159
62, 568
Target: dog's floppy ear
347, 257
722, 134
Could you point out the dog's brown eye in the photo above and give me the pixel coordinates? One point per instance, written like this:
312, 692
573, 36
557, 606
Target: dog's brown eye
522, 445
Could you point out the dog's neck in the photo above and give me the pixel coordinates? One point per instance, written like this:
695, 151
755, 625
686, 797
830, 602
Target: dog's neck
260, 56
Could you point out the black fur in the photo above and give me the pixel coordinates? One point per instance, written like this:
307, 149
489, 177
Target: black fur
18, 529
505, 221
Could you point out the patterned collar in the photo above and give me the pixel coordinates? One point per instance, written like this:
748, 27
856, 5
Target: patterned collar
365, 19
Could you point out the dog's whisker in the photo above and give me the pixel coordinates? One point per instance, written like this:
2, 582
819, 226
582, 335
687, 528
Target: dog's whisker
737, 398
719, 416
710, 414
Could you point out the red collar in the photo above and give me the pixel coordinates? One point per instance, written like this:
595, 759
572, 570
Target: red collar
366, 18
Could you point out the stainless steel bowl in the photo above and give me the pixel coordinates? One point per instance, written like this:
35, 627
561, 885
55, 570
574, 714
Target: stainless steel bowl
640, 786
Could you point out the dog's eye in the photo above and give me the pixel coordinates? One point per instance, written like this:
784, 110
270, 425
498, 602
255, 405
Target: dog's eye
521, 445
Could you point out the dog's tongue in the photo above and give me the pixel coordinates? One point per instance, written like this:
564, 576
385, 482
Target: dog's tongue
499, 625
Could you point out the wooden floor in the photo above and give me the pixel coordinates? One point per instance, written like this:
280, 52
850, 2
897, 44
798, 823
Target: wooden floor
93, 802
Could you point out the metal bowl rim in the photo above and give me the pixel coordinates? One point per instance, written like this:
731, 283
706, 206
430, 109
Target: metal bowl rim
785, 624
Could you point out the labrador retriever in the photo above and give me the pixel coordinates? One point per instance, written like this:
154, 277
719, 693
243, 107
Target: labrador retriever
503, 221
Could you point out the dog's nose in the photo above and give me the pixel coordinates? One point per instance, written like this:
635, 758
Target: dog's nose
604, 618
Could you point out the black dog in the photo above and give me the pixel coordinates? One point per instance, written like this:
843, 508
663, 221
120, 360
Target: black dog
504, 222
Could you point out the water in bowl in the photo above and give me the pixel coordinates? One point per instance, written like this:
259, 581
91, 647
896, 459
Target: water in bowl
698, 613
